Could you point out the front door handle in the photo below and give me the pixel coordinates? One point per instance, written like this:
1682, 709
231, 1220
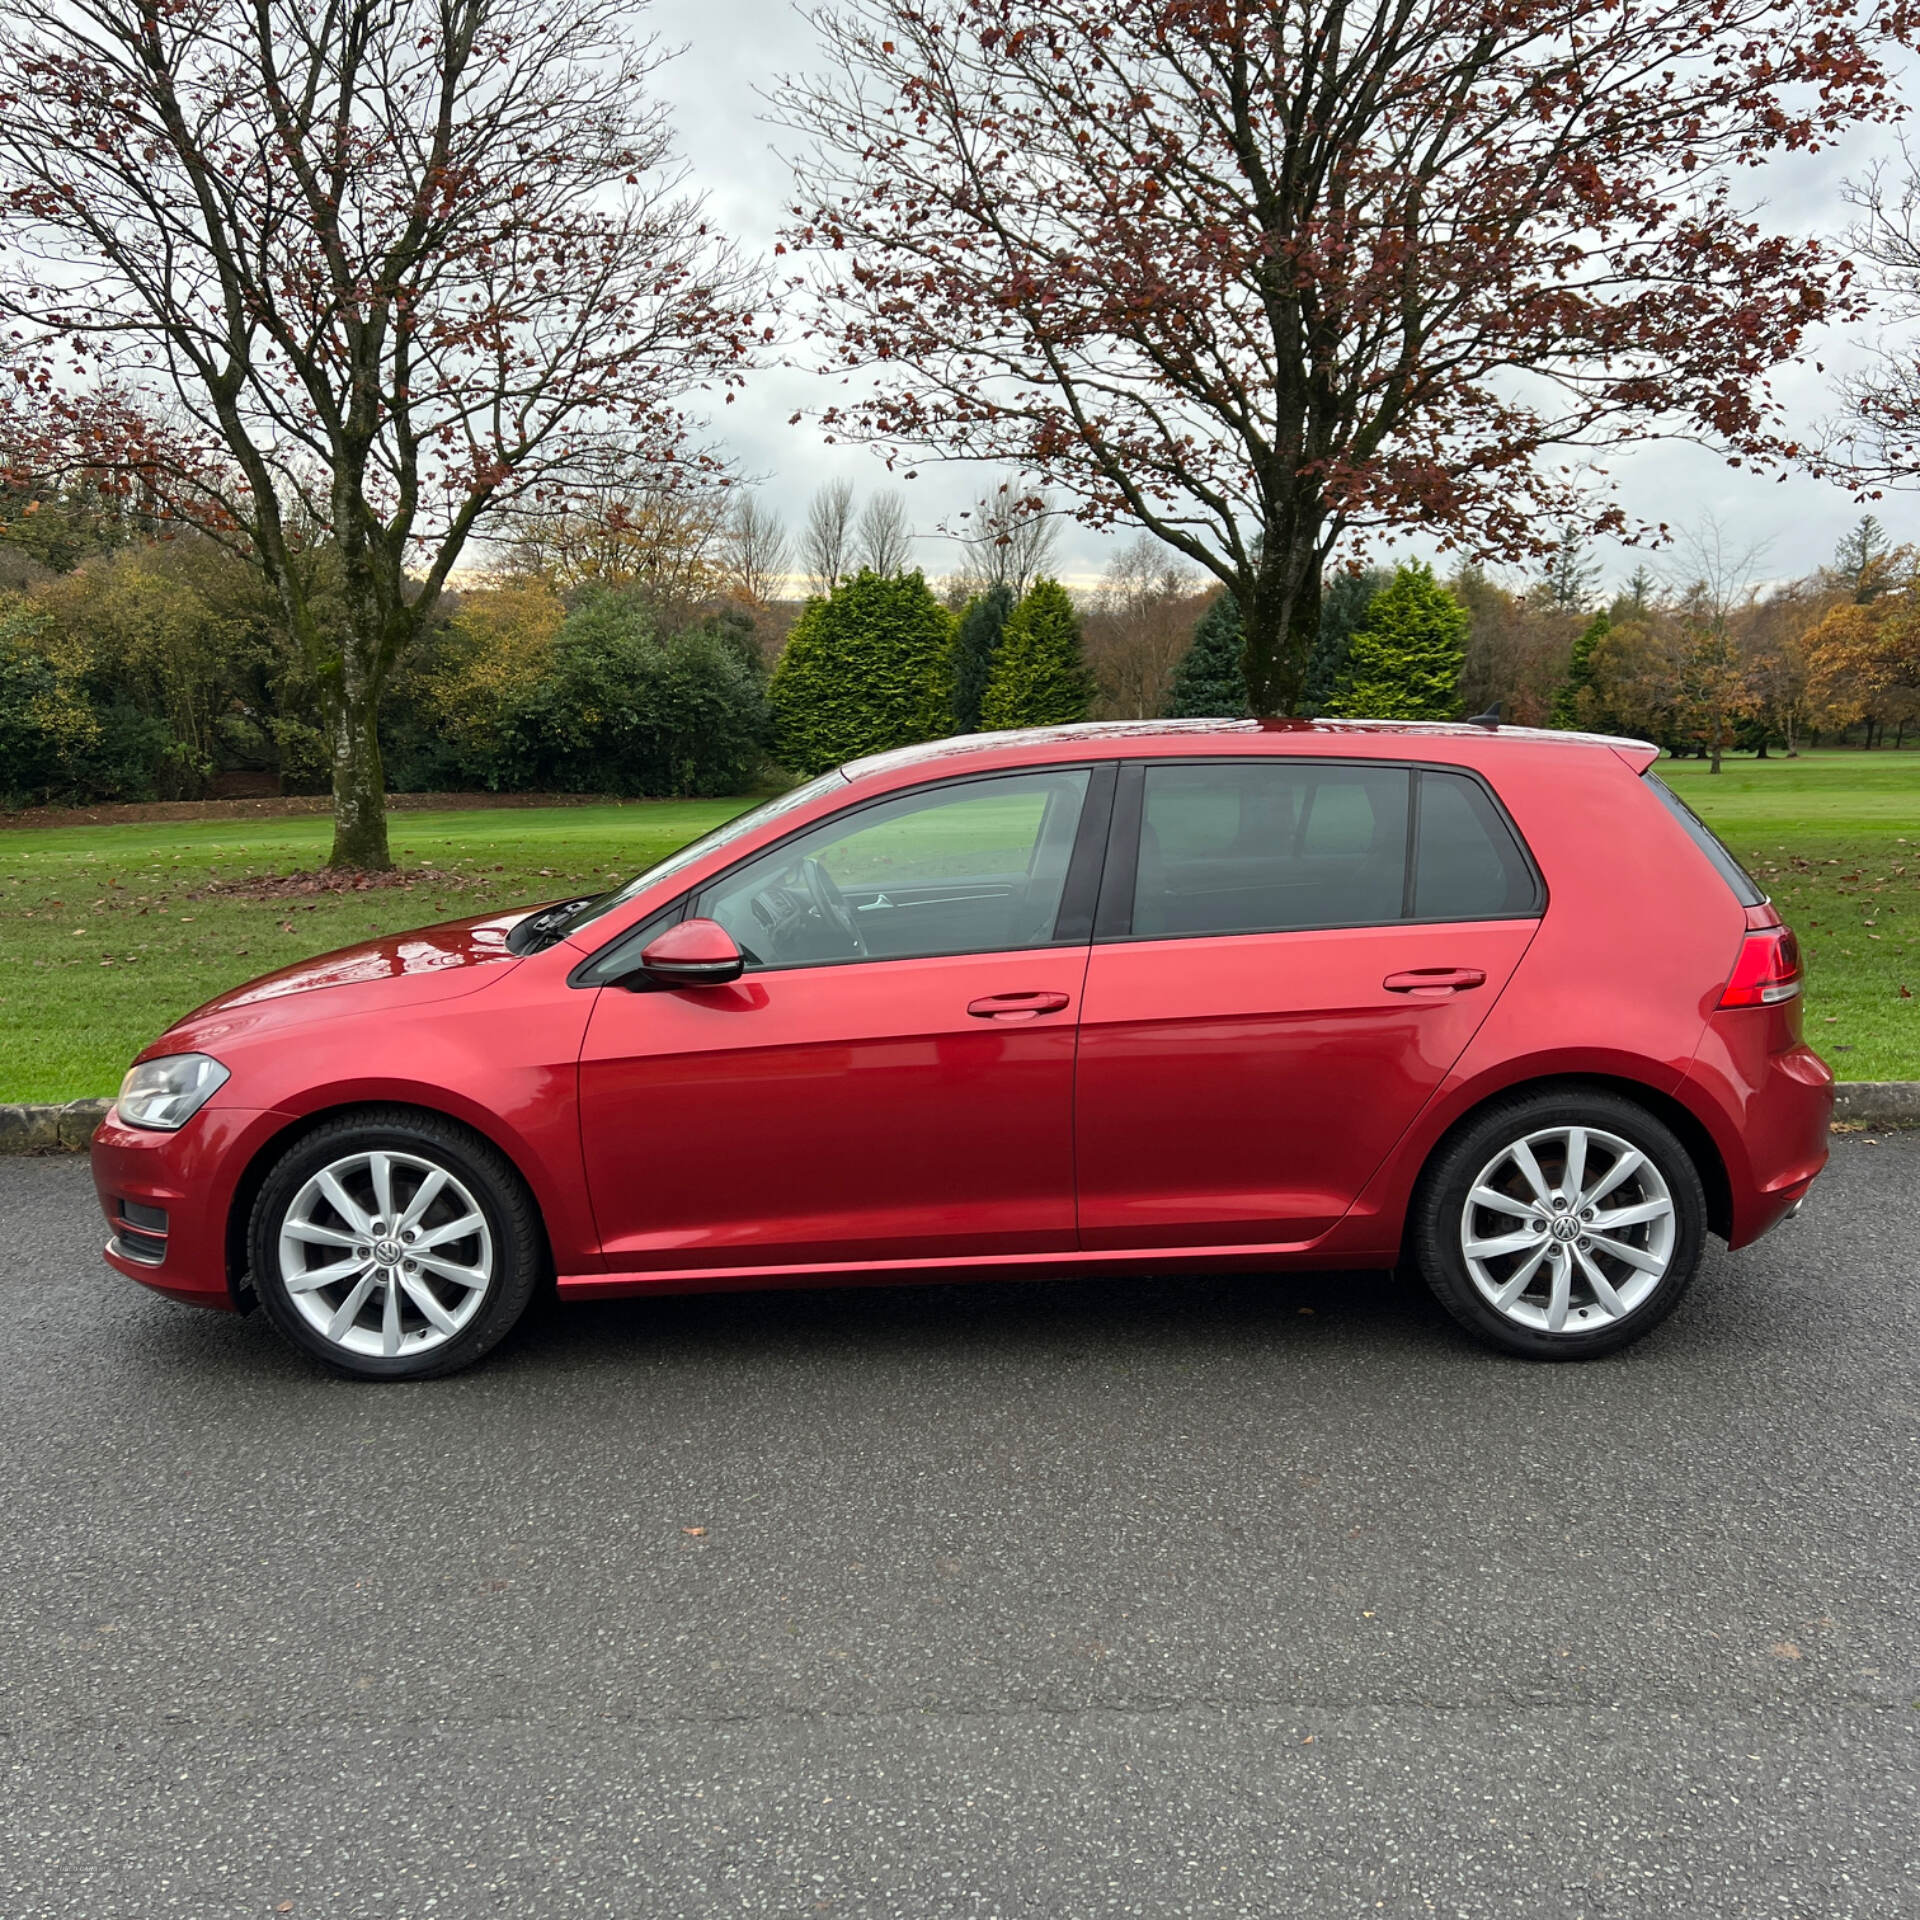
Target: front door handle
1016, 1006
1434, 983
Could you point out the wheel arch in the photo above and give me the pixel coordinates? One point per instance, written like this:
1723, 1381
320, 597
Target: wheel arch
1680, 1119
268, 1153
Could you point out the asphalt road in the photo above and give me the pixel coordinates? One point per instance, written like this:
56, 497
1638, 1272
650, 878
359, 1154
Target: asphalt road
1267, 1597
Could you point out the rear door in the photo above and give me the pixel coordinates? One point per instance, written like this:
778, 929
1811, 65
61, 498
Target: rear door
1289, 955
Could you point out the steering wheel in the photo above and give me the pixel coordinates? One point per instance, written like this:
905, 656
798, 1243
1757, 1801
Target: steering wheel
831, 904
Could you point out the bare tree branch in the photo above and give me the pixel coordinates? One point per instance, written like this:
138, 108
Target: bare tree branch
367, 276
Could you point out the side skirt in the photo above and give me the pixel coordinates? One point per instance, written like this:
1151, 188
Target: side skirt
1296, 1255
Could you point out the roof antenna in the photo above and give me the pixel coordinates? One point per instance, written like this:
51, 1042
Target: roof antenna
1490, 719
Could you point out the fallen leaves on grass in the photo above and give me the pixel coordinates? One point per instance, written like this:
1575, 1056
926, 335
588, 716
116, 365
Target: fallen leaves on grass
290, 886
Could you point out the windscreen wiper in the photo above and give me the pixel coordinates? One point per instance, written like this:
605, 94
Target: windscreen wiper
542, 929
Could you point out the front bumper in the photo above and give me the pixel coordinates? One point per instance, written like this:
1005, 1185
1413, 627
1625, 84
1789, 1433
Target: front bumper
168, 1197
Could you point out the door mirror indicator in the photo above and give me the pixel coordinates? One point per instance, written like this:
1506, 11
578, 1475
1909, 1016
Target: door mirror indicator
696, 953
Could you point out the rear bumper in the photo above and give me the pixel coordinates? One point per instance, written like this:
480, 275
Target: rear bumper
1769, 1103
167, 1197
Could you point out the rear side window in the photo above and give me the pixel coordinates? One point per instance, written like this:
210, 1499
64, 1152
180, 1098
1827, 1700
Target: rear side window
1264, 846
1274, 846
1467, 864
1745, 889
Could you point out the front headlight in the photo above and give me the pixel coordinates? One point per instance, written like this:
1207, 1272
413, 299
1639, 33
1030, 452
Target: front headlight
166, 1093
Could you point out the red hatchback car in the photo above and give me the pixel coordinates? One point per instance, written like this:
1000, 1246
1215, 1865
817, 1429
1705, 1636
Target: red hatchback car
1176, 996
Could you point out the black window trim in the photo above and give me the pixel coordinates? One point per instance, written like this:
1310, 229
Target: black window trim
1113, 922
1077, 893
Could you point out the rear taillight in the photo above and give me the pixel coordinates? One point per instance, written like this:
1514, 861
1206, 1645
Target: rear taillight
1768, 970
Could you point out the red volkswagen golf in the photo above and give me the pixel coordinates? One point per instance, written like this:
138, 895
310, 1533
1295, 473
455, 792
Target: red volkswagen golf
1176, 996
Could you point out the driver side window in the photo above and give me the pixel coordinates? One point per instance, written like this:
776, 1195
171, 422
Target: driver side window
978, 866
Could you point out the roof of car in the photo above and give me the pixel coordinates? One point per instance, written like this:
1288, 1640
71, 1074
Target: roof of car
1108, 737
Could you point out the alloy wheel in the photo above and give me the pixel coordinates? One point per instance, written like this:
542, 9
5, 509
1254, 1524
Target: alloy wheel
1568, 1229
383, 1253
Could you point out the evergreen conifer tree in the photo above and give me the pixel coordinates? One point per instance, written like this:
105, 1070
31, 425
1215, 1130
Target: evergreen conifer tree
1404, 663
865, 669
1343, 605
1039, 676
1566, 703
1633, 600
1209, 683
982, 624
1570, 577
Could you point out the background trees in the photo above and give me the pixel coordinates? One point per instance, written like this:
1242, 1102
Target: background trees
1009, 539
826, 545
976, 641
1138, 627
755, 552
883, 537
1343, 606
345, 284
347, 357
1875, 442
1208, 684
1864, 665
666, 539
867, 668
1579, 676
1039, 676
1405, 656
624, 709
1258, 274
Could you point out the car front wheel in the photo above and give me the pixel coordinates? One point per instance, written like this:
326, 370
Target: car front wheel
1561, 1226
394, 1245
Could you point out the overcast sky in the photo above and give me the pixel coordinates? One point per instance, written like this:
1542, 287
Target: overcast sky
735, 49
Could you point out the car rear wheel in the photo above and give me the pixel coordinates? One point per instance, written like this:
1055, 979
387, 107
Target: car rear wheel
394, 1246
1561, 1226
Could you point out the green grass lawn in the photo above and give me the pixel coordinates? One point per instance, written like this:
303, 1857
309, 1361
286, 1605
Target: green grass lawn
1834, 837
107, 933
103, 942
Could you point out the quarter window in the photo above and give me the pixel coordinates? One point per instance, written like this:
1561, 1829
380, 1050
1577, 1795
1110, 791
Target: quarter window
1467, 865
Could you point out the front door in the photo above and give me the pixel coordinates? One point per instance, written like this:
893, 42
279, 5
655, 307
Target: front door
1291, 955
892, 1077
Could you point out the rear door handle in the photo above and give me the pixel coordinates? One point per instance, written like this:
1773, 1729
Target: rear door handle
1016, 1006
1435, 982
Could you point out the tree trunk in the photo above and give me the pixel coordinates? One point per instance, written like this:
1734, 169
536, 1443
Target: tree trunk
359, 780
1280, 615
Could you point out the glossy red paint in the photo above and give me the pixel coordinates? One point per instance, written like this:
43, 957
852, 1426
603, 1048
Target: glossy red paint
1244, 1050
1247, 1100
839, 1113
695, 953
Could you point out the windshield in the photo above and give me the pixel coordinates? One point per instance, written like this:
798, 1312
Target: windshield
734, 829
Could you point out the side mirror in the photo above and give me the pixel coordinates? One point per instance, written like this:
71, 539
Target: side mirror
696, 953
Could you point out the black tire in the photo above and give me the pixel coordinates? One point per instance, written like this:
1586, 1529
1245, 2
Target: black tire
515, 1242
1589, 1327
